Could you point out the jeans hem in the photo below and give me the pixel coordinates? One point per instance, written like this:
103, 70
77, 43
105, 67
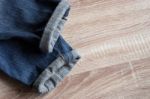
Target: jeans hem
55, 72
54, 27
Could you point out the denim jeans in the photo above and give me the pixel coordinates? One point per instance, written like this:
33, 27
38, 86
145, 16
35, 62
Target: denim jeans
32, 50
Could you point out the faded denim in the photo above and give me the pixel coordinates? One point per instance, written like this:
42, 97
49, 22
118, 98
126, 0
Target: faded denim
32, 50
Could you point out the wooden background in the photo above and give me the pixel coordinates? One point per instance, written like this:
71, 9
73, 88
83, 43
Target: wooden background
113, 38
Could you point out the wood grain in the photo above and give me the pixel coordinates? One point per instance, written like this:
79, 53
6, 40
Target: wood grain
113, 38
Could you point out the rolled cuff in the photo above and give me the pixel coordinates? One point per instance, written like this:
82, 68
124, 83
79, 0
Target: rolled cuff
56, 72
54, 27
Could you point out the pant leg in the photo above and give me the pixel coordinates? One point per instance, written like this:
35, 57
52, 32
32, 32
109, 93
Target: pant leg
22, 24
25, 63
36, 18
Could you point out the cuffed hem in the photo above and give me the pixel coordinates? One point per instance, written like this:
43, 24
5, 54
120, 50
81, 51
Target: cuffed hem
56, 72
54, 27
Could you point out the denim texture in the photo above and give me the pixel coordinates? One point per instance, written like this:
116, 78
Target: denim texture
32, 50
24, 62
25, 19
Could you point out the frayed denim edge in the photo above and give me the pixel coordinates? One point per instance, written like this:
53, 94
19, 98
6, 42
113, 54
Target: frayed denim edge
55, 73
52, 30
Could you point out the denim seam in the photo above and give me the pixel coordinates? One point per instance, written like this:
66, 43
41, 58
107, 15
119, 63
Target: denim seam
51, 32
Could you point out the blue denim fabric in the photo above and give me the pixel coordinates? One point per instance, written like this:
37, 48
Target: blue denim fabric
22, 24
23, 60
25, 19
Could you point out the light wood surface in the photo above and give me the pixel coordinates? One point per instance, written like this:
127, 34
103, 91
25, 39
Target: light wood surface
113, 38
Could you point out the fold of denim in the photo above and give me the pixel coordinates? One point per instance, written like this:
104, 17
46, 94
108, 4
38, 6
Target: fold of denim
32, 50
27, 64
57, 19
58, 69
